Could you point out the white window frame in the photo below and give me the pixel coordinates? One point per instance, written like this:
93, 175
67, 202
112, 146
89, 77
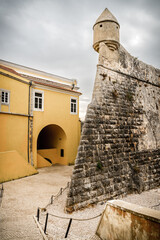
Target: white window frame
76, 104
41, 92
8, 100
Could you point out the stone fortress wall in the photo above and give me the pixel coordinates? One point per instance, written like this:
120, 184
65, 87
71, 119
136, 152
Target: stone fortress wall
119, 151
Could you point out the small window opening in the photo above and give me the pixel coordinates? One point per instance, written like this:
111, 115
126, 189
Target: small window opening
62, 152
38, 101
73, 106
100, 25
5, 97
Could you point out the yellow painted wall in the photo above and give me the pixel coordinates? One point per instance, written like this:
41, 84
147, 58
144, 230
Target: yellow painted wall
18, 93
41, 162
57, 112
14, 134
14, 166
5, 108
51, 154
14, 128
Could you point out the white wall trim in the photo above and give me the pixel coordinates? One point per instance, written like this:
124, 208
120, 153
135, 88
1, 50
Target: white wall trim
56, 90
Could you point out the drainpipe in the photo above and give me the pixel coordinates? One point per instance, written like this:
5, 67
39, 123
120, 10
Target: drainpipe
29, 102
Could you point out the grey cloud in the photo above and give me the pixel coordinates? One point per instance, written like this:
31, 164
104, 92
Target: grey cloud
56, 35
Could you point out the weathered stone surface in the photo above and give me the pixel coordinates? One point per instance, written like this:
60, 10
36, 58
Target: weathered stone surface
119, 150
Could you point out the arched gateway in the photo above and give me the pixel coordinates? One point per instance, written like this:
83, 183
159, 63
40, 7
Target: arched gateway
39, 112
51, 144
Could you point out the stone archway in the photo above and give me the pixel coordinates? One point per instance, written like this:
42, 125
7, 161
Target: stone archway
51, 144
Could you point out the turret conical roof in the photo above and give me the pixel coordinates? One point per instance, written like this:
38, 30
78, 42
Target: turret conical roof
106, 16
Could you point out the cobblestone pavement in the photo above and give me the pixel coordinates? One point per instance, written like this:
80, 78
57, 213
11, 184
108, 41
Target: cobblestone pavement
22, 197
80, 230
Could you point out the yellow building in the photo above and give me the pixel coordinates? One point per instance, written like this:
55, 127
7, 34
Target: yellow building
39, 119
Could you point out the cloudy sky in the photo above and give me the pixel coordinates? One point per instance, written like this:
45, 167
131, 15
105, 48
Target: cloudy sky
56, 35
